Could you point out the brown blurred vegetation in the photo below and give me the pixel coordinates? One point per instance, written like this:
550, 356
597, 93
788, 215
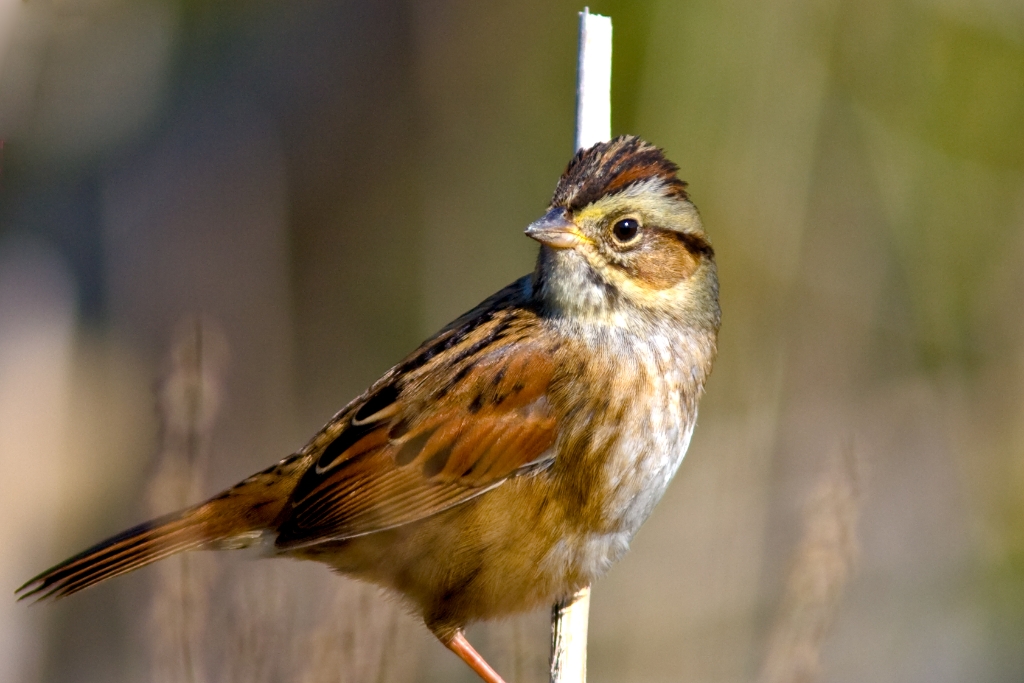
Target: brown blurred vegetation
325, 183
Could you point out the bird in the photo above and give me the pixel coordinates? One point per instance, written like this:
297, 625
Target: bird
507, 462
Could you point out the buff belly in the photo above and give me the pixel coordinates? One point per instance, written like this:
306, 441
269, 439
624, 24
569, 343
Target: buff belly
477, 562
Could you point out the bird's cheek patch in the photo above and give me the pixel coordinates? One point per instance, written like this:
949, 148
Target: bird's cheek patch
663, 262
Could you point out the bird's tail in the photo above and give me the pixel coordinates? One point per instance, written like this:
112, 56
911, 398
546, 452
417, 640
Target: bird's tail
236, 518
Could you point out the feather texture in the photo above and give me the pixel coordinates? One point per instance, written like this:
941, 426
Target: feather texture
507, 461
423, 448
234, 519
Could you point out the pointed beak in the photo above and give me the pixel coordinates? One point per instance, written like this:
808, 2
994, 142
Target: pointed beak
556, 230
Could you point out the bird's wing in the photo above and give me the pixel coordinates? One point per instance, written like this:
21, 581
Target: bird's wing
460, 417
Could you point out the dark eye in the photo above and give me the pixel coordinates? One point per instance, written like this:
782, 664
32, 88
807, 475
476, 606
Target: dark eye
626, 230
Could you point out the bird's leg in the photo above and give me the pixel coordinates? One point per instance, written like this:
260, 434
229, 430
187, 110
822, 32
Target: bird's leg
460, 646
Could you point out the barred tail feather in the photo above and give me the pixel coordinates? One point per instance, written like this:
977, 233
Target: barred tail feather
234, 519
123, 553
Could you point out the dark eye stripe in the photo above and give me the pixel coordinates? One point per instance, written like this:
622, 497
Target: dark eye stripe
695, 244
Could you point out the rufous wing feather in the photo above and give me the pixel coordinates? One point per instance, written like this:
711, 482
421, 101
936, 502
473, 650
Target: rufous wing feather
424, 453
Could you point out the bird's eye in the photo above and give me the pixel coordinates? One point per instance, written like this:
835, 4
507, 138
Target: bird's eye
626, 230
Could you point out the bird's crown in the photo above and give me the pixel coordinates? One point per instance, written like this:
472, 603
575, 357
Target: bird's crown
611, 167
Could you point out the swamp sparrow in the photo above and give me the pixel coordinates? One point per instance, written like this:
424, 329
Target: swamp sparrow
509, 460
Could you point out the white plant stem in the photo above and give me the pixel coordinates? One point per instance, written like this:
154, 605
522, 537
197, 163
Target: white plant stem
569, 620
569, 623
594, 80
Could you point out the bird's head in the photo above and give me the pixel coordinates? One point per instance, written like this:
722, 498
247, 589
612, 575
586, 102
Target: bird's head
621, 239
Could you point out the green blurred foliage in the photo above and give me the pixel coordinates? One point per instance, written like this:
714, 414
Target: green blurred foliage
957, 87
859, 166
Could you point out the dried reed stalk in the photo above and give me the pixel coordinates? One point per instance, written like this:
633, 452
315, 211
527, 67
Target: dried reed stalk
821, 567
323, 630
569, 620
569, 623
188, 401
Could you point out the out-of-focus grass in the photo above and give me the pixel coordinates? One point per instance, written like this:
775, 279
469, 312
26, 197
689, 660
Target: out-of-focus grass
332, 181
280, 628
821, 567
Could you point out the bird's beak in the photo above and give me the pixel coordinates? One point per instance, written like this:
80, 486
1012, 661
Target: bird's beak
556, 230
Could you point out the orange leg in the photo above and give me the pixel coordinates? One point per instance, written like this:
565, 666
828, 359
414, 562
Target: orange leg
460, 646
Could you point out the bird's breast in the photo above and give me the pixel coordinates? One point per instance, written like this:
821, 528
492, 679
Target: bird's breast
623, 443
653, 432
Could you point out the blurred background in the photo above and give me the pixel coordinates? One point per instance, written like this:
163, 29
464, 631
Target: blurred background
219, 221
